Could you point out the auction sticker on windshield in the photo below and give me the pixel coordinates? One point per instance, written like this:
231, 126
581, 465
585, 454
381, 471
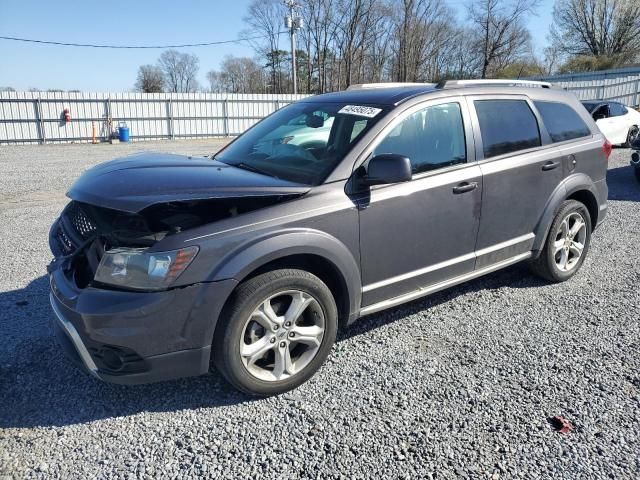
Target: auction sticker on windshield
360, 110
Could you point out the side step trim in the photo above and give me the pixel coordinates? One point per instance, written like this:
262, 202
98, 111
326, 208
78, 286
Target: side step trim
421, 292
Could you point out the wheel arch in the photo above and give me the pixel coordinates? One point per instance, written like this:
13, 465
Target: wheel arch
576, 187
306, 249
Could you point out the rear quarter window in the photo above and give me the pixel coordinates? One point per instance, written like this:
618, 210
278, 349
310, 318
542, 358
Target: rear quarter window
506, 126
563, 122
617, 109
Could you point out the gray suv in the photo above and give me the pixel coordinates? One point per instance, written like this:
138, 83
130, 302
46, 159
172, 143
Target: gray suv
253, 259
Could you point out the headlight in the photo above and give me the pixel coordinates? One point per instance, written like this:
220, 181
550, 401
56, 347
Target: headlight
135, 268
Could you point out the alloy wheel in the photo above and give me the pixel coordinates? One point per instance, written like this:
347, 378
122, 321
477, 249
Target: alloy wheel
570, 241
282, 335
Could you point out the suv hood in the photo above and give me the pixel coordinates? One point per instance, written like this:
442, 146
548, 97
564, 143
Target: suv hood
134, 183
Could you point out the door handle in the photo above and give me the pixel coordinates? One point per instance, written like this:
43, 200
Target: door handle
465, 187
550, 166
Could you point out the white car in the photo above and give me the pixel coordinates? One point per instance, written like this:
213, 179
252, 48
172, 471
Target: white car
620, 124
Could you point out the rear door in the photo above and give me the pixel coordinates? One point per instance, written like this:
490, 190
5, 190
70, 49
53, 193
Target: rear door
620, 122
613, 125
520, 168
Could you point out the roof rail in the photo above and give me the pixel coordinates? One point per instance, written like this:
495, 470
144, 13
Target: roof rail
493, 82
363, 86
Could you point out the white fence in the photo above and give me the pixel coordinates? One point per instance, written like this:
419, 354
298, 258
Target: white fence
34, 117
620, 84
37, 117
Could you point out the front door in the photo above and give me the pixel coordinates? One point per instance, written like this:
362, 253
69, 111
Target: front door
422, 232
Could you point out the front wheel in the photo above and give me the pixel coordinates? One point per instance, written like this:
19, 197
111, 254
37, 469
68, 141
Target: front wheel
567, 243
276, 333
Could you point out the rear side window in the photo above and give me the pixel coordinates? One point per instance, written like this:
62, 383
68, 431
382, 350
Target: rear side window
506, 126
617, 109
562, 121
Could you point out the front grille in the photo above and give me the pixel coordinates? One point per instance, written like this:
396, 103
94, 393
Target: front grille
65, 243
80, 221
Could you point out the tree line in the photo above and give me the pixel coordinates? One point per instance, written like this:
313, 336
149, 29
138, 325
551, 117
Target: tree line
361, 41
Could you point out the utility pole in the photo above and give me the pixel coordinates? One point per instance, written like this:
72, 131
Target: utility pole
293, 22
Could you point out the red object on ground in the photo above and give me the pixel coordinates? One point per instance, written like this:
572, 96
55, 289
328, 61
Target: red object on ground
562, 424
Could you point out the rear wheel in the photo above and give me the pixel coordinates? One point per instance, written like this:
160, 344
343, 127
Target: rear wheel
276, 333
632, 136
567, 243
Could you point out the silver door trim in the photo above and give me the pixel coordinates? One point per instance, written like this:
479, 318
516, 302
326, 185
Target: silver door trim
506, 244
423, 291
447, 263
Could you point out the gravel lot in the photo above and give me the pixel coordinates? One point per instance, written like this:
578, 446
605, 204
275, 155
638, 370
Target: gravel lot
458, 385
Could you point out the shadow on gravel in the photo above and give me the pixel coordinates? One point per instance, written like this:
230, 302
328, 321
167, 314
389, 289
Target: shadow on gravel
40, 387
623, 184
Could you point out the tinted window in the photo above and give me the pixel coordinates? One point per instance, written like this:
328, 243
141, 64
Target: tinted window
617, 110
590, 106
562, 122
601, 112
431, 138
506, 126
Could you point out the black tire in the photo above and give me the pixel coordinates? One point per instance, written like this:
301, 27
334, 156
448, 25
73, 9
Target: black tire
545, 265
247, 297
631, 136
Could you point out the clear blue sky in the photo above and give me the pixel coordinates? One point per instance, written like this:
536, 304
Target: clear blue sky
23, 66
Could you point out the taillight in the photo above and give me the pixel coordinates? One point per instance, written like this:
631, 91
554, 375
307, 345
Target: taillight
606, 149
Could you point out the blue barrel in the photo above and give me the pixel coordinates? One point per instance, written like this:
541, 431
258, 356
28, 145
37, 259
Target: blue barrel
123, 132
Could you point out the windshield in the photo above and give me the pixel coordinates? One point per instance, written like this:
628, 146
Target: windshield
302, 142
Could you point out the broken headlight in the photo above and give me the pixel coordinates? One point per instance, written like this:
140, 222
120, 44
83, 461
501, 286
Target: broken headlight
139, 269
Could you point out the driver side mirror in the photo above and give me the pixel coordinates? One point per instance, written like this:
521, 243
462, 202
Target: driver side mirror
387, 168
598, 116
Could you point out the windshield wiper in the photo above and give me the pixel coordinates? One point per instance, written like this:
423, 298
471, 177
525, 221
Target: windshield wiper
251, 168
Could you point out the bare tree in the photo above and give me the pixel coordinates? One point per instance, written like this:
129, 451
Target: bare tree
266, 18
422, 35
501, 36
317, 37
180, 70
356, 41
598, 28
150, 79
237, 75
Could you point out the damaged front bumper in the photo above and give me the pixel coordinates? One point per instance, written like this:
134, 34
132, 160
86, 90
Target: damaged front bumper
137, 337
134, 337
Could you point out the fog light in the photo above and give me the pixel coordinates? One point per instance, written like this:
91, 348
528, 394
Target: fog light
112, 359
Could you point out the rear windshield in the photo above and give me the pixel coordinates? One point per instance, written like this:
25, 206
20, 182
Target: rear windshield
562, 121
302, 142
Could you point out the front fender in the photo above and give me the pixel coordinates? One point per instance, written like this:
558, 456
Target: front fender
570, 185
253, 254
